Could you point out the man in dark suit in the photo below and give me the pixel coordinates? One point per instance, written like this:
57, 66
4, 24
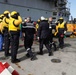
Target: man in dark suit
43, 36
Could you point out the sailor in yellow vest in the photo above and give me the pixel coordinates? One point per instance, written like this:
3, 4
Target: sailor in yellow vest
60, 31
14, 29
6, 33
1, 20
1, 32
37, 24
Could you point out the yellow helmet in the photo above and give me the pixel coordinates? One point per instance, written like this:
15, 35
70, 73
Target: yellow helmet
1, 15
46, 18
12, 13
38, 20
5, 12
60, 18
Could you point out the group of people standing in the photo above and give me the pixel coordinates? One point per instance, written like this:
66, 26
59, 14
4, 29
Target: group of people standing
10, 30
45, 33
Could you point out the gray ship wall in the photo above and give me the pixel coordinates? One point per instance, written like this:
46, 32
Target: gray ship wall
33, 8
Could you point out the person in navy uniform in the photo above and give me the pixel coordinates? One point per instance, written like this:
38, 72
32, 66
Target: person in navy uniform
28, 30
52, 31
6, 20
43, 36
14, 31
61, 29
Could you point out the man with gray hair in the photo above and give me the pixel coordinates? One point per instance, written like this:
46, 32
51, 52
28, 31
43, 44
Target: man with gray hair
29, 31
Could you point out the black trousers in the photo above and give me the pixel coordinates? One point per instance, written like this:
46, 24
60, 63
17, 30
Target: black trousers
14, 44
61, 41
52, 42
28, 42
54, 45
45, 42
6, 42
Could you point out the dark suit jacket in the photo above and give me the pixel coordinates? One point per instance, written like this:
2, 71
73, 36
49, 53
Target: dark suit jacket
43, 31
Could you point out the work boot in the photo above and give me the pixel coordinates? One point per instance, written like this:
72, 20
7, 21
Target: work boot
28, 55
61, 47
33, 57
15, 61
50, 54
55, 49
9, 54
40, 53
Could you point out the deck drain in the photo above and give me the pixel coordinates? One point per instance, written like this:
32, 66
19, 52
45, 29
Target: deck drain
56, 60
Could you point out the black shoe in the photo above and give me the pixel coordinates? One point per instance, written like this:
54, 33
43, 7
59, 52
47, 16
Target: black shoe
61, 46
55, 49
40, 53
15, 61
50, 53
28, 55
33, 57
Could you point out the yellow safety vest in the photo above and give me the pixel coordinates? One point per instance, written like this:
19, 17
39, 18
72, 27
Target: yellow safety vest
1, 26
37, 26
12, 27
6, 22
59, 26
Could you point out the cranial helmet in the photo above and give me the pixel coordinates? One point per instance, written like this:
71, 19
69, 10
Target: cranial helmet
1, 15
60, 18
42, 18
38, 20
12, 13
6, 12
